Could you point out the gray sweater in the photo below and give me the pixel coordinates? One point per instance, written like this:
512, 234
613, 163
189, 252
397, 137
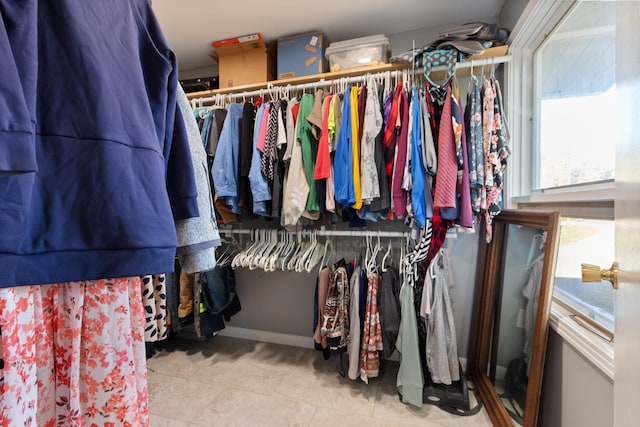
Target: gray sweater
197, 237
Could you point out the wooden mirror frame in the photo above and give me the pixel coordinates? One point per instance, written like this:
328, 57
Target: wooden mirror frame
489, 280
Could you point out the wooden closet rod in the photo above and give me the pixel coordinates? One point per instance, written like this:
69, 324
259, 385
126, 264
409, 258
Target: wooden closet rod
328, 79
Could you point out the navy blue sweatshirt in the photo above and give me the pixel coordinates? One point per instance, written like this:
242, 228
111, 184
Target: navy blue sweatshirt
94, 159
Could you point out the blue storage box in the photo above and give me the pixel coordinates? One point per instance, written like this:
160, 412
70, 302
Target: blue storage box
301, 55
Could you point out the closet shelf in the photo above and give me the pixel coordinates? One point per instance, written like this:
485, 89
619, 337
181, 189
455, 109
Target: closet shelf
497, 53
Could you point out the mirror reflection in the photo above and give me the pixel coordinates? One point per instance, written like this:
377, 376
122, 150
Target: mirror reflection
511, 315
515, 314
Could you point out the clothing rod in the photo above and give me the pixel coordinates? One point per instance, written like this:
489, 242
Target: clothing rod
330, 233
473, 63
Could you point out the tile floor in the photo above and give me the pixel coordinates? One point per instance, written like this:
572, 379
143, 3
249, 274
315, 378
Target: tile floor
233, 382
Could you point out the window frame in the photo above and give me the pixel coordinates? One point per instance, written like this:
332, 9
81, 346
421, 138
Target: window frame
592, 200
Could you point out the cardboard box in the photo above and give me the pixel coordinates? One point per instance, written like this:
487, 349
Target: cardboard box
244, 60
301, 55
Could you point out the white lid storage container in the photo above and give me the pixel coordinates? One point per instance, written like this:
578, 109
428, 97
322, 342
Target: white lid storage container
360, 52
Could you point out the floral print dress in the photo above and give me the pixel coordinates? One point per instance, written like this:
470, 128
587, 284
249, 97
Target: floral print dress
73, 355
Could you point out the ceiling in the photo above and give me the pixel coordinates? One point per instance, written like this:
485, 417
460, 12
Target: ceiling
191, 25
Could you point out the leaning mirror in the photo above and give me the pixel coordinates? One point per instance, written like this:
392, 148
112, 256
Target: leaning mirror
511, 315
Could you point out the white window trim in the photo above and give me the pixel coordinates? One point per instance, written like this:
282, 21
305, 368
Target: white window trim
592, 347
536, 22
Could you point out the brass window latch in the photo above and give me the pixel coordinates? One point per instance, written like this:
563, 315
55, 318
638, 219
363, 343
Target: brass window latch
592, 273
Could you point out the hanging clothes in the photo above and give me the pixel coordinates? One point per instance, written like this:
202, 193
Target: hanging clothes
343, 159
441, 346
380, 204
323, 160
245, 155
219, 300
355, 150
335, 322
398, 195
74, 354
371, 126
108, 122
259, 184
473, 118
197, 237
291, 124
391, 133
355, 330
410, 379
225, 163
496, 151
296, 190
154, 301
309, 150
418, 173
429, 158
465, 214
445, 191
277, 185
320, 341
217, 120
269, 154
389, 309
187, 304
371, 334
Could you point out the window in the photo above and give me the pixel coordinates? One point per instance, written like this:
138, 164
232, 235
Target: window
591, 241
565, 63
575, 98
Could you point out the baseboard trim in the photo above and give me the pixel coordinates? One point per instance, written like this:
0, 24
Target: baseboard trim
267, 336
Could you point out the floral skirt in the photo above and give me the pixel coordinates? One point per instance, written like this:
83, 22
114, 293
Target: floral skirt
73, 354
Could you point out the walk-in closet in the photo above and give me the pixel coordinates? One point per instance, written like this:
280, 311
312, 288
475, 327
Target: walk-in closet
296, 214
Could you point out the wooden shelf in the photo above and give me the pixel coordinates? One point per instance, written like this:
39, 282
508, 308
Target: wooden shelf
492, 52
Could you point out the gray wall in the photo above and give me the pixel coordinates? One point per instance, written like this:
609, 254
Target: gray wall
574, 392
282, 302
279, 302
510, 13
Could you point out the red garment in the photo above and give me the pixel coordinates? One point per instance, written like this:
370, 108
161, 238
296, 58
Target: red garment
447, 174
323, 159
438, 234
295, 110
389, 140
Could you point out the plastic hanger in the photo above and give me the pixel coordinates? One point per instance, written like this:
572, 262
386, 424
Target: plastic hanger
383, 265
306, 256
268, 252
265, 251
308, 252
291, 265
314, 258
287, 251
270, 261
327, 245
